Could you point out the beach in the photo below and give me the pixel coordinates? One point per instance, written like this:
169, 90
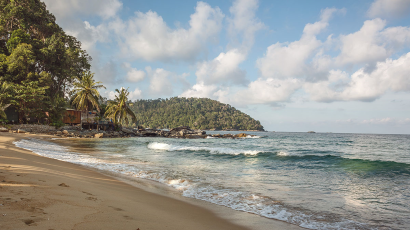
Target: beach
42, 193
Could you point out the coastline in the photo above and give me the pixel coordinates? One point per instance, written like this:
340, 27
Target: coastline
43, 193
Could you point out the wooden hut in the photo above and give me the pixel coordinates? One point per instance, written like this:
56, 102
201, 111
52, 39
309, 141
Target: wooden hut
72, 117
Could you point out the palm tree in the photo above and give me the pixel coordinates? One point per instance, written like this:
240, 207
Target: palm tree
3, 88
119, 109
85, 94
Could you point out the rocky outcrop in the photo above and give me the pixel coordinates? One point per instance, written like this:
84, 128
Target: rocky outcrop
74, 132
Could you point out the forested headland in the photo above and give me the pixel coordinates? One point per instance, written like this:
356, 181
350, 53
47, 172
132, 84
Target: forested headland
198, 113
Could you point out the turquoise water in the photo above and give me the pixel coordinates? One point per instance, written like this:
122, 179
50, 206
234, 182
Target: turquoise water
314, 180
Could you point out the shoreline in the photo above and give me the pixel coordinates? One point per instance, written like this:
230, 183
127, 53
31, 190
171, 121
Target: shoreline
43, 193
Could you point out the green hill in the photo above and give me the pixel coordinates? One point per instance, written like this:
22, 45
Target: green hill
198, 113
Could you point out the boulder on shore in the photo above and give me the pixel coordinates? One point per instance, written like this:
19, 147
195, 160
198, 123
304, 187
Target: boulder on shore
98, 135
2, 129
21, 131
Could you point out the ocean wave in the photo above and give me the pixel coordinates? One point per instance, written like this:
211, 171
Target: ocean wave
212, 150
352, 164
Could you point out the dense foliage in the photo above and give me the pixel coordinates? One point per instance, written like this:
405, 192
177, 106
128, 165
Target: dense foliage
198, 113
36, 56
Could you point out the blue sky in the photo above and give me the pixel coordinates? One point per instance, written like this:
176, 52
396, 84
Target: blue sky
327, 66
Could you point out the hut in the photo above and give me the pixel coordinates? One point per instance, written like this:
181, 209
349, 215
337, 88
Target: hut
72, 117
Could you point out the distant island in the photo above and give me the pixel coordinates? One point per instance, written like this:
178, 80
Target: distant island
197, 113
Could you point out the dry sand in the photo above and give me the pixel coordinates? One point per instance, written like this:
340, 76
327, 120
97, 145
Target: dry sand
42, 193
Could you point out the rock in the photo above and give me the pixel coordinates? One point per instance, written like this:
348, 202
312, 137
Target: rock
98, 135
181, 128
227, 135
59, 132
128, 131
216, 135
182, 132
2, 129
149, 134
195, 136
241, 135
65, 132
21, 131
200, 132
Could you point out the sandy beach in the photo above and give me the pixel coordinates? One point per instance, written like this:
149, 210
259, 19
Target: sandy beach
42, 193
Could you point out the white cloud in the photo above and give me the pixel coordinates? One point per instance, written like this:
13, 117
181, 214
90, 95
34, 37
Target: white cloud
133, 74
390, 75
68, 8
389, 8
69, 12
160, 84
267, 91
87, 34
136, 94
148, 37
213, 76
200, 90
223, 69
289, 60
243, 21
364, 45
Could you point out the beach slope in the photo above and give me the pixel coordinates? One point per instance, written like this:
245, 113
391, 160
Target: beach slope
43, 193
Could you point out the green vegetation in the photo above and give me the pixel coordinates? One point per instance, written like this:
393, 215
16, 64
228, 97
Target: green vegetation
85, 94
3, 105
119, 109
38, 60
198, 113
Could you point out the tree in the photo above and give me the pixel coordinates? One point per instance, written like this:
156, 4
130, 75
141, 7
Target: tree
3, 97
85, 94
29, 99
119, 109
33, 47
57, 110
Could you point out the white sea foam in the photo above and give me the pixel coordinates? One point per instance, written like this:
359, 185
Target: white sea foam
215, 150
249, 136
282, 154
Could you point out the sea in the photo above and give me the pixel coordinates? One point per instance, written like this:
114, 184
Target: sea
313, 180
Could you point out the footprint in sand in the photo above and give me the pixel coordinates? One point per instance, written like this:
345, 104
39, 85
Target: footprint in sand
63, 185
29, 222
91, 198
116, 209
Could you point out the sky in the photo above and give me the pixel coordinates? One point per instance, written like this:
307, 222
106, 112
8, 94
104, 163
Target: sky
298, 66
